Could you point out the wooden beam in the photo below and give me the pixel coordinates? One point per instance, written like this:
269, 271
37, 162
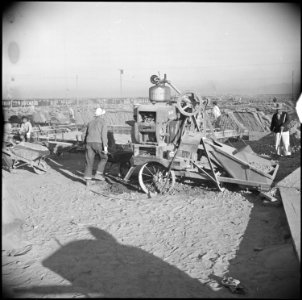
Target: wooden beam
292, 206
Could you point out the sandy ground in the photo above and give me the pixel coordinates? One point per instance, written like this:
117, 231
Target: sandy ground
97, 243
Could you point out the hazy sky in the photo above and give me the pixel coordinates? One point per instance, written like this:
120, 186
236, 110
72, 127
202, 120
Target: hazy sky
58, 49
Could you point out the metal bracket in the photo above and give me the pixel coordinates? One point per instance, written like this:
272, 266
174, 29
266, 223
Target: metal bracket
211, 166
129, 173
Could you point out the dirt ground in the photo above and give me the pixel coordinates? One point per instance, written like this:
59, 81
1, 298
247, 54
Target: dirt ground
110, 241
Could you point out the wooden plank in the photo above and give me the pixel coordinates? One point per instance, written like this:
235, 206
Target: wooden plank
191, 174
268, 196
140, 160
259, 185
292, 180
292, 206
228, 133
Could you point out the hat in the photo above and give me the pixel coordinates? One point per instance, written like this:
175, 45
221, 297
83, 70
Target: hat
279, 106
99, 111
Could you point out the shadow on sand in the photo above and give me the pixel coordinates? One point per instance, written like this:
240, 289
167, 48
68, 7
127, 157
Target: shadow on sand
104, 268
71, 165
265, 262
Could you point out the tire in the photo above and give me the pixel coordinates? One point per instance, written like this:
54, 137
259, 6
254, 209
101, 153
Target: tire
153, 178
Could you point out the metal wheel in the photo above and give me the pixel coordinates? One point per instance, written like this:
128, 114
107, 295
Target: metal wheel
154, 79
188, 103
153, 178
40, 168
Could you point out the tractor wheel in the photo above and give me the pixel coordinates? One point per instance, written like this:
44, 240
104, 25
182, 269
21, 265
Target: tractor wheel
154, 178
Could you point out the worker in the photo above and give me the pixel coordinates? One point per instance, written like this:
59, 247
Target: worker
71, 115
25, 130
279, 126
7, 132
216, 113
95, 138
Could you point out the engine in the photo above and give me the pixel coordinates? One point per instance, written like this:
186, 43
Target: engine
158, 125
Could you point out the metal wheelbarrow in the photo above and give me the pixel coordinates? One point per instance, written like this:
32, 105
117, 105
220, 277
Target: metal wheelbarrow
25, 154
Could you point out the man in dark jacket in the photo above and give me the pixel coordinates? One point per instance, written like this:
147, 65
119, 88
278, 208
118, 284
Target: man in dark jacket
280, 126
95, 137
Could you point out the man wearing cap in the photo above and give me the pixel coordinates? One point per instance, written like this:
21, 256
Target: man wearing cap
279, 125
95, 137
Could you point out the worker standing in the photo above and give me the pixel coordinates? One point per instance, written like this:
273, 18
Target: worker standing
216, 113
95, 137
25, 130
71, 115
279, 126
7, 132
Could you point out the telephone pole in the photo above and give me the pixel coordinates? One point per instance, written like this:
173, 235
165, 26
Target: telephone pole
293, 85
121, 86
77, 89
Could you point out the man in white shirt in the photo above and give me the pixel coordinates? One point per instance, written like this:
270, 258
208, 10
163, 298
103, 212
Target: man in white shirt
280, 126
216, 113
26, 129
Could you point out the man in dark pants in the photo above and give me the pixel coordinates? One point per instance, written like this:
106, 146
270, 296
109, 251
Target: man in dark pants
95, 137
279, 125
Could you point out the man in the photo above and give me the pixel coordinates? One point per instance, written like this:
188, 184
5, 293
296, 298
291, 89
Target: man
95, 137
71, 115
216, 113
279, 125
7, 132
26, 130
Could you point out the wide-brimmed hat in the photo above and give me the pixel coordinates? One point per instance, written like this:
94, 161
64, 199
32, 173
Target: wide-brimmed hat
99, 111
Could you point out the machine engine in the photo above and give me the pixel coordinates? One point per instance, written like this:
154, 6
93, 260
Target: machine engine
157, 125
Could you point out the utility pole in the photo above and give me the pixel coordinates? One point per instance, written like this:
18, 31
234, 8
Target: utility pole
121, 86
292, 85
77, 90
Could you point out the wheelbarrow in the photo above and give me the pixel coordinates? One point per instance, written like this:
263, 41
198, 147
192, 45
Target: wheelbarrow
122, 158
25, 154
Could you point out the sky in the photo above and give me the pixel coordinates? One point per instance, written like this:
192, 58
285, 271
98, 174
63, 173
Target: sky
77, 49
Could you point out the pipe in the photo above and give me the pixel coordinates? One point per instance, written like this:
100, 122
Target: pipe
174, 88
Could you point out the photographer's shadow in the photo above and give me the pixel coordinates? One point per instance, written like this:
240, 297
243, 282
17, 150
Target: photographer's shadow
104, 268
